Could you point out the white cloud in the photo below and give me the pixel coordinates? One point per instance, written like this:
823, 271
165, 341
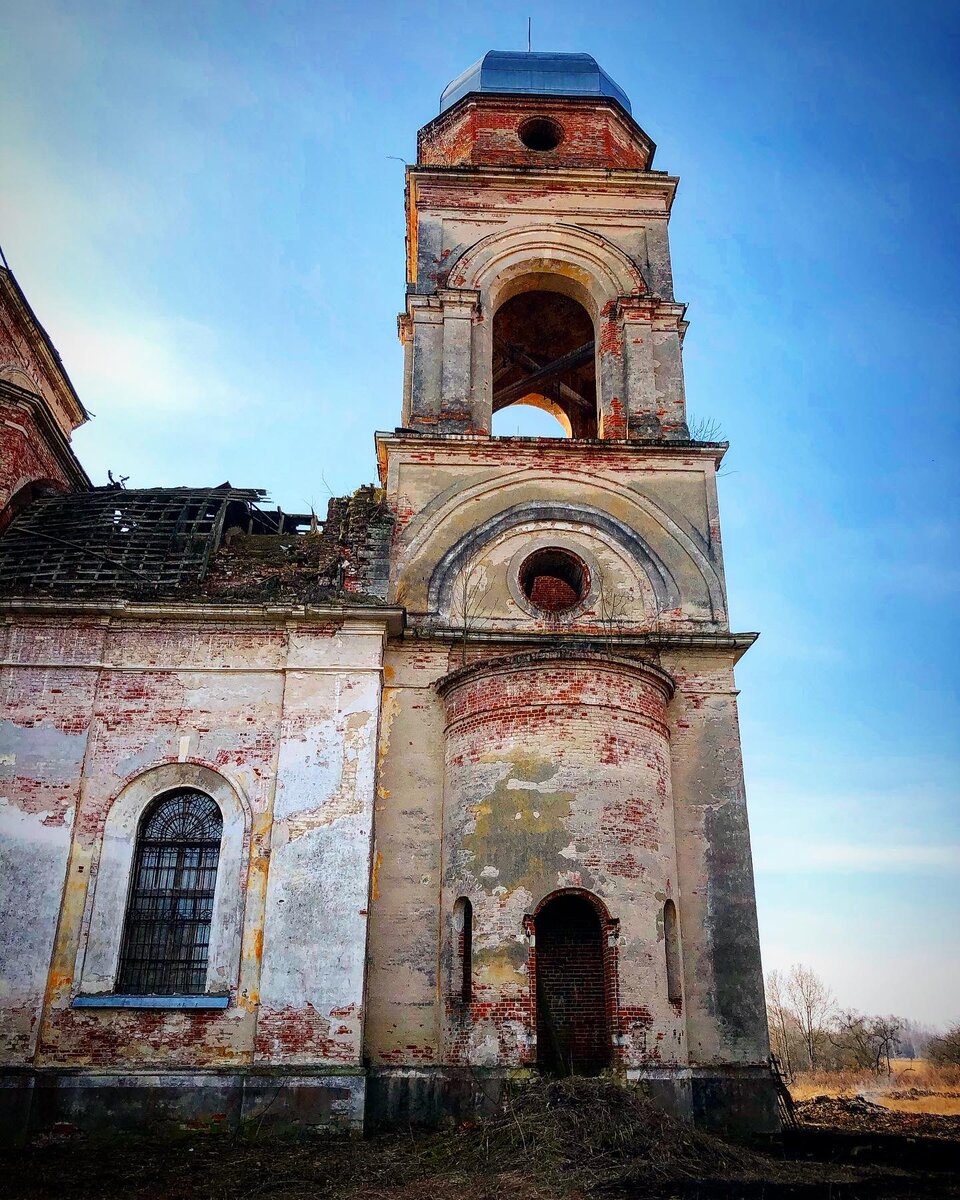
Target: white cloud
152, 365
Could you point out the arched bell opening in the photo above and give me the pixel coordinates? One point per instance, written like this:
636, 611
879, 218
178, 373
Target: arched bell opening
573, 1025
544, 356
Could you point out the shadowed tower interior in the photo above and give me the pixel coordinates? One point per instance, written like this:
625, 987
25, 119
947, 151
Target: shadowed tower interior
543, 356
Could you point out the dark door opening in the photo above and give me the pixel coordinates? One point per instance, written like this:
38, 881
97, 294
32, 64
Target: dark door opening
573, 1034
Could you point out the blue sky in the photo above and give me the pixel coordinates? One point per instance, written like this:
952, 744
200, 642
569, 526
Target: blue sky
204, 204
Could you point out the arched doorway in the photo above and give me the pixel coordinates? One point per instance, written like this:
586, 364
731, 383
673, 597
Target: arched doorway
544, 356
573, 1031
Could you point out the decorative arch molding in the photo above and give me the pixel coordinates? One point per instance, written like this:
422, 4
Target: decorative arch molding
440, 591
13, 373
456, 498
595, 267
100, 950
582, 894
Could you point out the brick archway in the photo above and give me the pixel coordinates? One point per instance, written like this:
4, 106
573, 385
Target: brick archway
572, 986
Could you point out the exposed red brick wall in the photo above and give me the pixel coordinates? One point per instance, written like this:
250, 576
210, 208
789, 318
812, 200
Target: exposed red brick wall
25, 455
552, 594
584, 803
483, 131
555, 693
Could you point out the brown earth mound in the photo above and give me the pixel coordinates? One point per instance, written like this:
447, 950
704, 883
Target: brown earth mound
860, 1115
590, 1136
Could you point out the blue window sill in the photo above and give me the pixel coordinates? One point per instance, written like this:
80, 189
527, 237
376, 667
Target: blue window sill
109, 1000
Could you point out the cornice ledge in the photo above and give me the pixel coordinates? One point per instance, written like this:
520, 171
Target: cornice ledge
740, 643
564, 654
684, 448
656, 180
43, 347
389, 618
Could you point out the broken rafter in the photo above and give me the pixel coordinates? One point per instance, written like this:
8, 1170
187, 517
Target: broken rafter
143, 539
516, 391
518, 357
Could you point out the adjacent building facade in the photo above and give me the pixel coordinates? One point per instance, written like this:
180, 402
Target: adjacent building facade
352, 822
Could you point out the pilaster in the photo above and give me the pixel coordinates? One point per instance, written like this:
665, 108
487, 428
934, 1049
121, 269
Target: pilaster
437, 333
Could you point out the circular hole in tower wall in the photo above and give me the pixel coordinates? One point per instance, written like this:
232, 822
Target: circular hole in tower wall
554, 580
540, 133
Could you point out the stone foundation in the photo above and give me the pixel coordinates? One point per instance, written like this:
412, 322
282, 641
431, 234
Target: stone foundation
32, 1102
736, 1101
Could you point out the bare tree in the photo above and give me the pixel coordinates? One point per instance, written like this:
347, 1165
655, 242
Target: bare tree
781, 1020
616, 608
945, 1049
813, 1006
704, 429
470, 603
613, 607
867, 1042
887, 1032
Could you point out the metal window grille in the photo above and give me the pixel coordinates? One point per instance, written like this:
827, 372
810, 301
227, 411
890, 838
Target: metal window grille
167, 932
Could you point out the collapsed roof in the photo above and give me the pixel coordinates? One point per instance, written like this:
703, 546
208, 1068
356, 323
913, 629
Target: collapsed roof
214, 543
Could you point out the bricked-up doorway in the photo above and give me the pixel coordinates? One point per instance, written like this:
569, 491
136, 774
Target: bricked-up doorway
573, 1033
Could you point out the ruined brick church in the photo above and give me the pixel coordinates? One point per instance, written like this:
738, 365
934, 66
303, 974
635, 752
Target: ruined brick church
348, 822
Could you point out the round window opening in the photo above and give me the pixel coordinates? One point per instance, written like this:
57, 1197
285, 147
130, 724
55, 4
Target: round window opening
540, 133
554, 580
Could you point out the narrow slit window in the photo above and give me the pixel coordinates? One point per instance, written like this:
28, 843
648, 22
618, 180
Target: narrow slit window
463, 929
671, 943
166, 938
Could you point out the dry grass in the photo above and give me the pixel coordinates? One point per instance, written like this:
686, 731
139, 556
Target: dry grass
936, 1105
913, 1086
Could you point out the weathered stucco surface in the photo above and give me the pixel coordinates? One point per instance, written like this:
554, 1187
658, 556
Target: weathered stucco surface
311, 998
282, 714
647, 517
558, 776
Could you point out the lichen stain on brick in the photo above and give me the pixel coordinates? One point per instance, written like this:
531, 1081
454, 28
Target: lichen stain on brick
519, 828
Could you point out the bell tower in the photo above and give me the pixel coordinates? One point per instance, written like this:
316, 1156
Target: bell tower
563, 877
537, 257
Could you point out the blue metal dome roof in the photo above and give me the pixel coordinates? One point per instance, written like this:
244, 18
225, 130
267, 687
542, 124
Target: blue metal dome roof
525, 73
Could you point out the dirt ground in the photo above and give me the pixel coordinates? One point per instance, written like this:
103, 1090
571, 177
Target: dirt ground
559, 1140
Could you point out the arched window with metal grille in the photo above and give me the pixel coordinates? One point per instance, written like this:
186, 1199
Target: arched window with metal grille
166, 936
